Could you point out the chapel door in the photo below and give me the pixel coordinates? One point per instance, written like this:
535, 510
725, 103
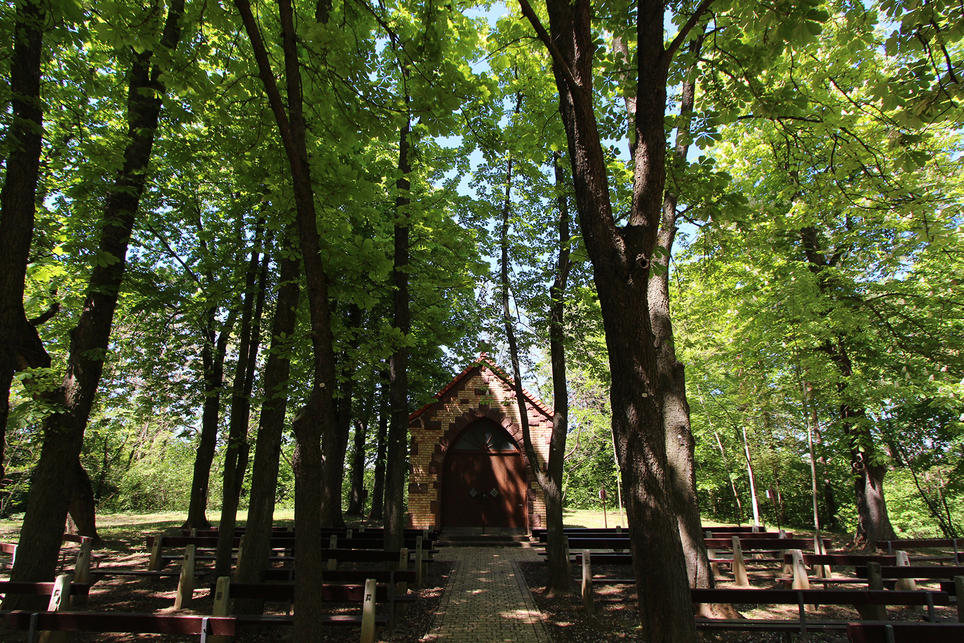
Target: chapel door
483, 482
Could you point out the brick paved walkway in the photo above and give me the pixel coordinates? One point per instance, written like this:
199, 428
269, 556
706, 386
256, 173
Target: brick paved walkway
486, 599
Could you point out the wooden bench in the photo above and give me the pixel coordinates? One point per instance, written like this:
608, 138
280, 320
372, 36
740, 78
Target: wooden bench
188, 576
57, 590
737, 545
35, 622
955, 544
865, 601
366, 595
905, 632
798, 563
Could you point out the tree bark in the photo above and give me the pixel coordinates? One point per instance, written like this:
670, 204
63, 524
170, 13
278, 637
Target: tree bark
317, 416
253, 560
236, 452
63, 431
82, 506
213, 353
356, 493
621, 259
396, 465
378, 485
20, 347
680, 445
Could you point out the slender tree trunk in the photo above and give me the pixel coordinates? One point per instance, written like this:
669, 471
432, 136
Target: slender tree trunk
317, 416
212, 363
253, 559
20, 347
378, 485
356, 494
560, 579
334, 447
236, 452
63, 431
396, 465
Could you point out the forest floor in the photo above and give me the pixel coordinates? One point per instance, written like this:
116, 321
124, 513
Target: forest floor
616, 617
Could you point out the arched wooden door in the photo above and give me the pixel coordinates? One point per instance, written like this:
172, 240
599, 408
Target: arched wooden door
483, 480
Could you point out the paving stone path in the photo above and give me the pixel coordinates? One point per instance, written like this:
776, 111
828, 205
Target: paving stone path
486, 599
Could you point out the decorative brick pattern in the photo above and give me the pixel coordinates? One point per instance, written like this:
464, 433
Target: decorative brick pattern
481, 391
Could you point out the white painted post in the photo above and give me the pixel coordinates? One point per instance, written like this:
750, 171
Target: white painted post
368, 612
185, 582
59, 599
800, 580
739, 565
906, 584
154, 564
222, 603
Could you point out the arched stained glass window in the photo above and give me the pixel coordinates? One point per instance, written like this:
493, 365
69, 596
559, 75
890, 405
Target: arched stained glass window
484, 436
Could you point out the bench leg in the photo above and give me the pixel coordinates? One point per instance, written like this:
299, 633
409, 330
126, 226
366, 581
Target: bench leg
587, 597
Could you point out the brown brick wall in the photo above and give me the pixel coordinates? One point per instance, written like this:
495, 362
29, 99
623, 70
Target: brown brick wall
480, 393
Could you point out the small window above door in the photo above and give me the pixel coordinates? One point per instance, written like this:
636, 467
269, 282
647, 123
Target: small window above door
485, 436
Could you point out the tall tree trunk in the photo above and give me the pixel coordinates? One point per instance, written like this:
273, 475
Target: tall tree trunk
356, 493
621, 259
335, 446
680, 445
213, 353
253, 560
873, 522
317, 416
63, 431
396, 465
560, 580
381, 447
236, 452
20, 347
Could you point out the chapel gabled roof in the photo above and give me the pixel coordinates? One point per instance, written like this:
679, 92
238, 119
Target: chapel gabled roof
483, 361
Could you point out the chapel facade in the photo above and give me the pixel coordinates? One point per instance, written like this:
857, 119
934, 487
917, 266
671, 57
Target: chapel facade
469, 471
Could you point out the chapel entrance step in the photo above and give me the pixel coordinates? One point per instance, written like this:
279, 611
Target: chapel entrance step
475, 538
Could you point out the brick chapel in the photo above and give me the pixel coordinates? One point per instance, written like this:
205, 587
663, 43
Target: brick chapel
469, 471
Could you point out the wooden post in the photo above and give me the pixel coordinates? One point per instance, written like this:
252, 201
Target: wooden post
800, 580
907, 584
333, 562
59, 599
154, 564
739, 565
368, 612
874, 581
82, 570
419, 561
587, 597
185, 583
222, 602
959, 590
348, 534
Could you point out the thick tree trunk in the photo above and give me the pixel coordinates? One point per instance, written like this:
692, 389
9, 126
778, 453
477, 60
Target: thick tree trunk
680, 445
19, 345
378, 485
253, 560
236, 452
63, 431
621, 261
396, 465
82, 506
